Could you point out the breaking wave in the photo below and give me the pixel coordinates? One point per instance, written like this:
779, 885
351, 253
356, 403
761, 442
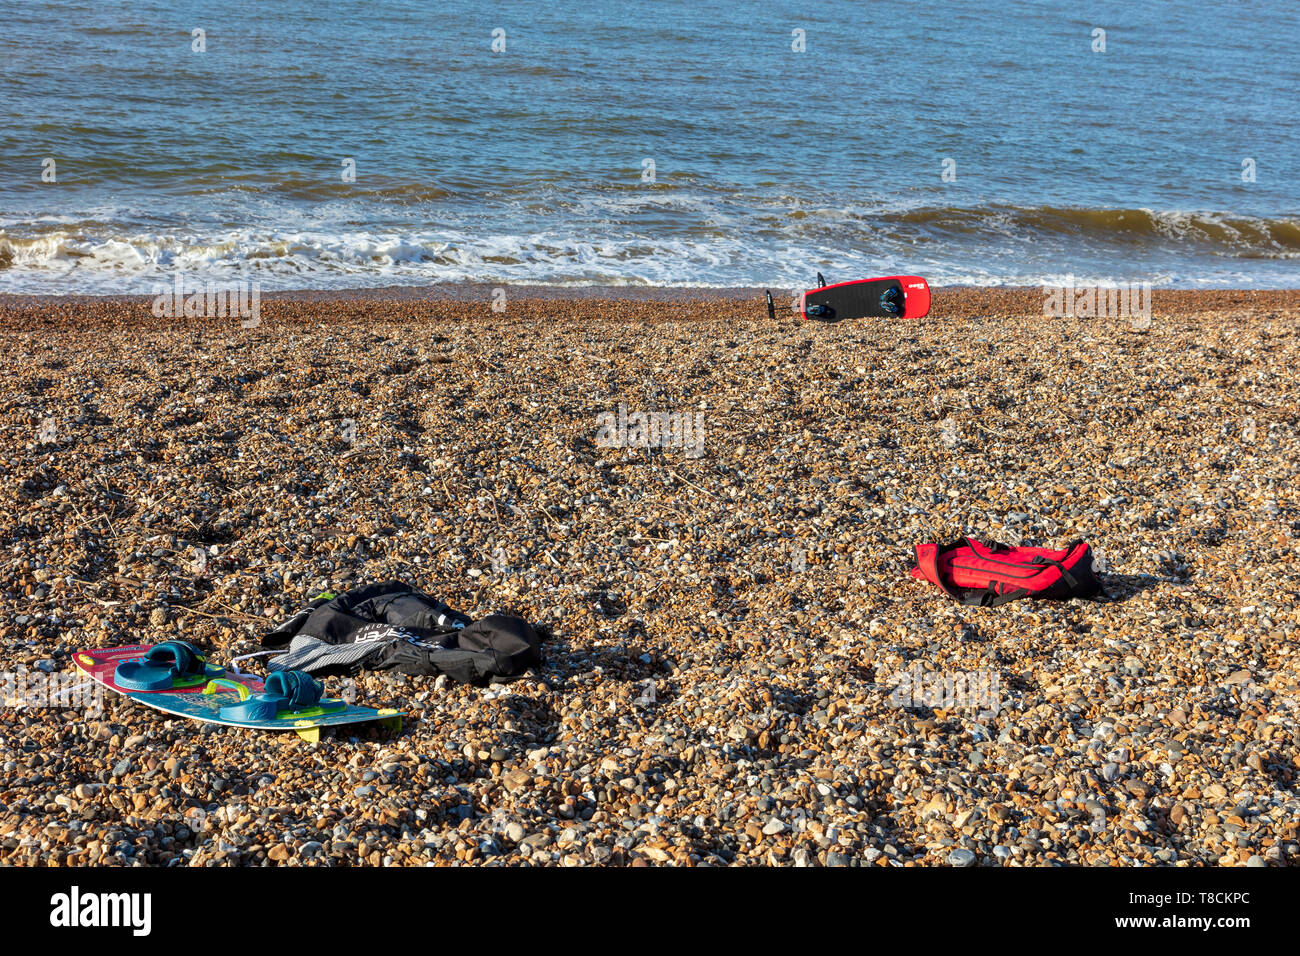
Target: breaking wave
668, 240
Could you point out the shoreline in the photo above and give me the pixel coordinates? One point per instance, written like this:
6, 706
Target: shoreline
461, 301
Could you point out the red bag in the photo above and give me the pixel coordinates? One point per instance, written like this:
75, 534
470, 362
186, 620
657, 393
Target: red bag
993, 574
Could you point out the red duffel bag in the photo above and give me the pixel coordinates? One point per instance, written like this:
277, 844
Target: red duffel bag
989, 575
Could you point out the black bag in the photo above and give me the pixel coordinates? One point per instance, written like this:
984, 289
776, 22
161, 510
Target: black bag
498, 647
335, 618
389, 602
414, 634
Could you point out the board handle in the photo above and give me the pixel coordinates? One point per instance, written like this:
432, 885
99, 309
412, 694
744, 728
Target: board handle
221, 684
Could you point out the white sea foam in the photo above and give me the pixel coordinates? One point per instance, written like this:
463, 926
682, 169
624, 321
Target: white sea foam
709, 245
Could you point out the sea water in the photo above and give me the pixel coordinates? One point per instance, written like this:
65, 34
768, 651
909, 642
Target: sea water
339, 144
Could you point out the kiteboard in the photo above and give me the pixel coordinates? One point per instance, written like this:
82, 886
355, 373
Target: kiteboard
897, 297
216, 696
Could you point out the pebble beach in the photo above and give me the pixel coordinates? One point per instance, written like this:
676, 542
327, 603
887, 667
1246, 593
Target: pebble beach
729, 622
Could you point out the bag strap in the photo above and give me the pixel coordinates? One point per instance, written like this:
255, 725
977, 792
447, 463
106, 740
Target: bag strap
1069, 578
981, 549
992, 599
